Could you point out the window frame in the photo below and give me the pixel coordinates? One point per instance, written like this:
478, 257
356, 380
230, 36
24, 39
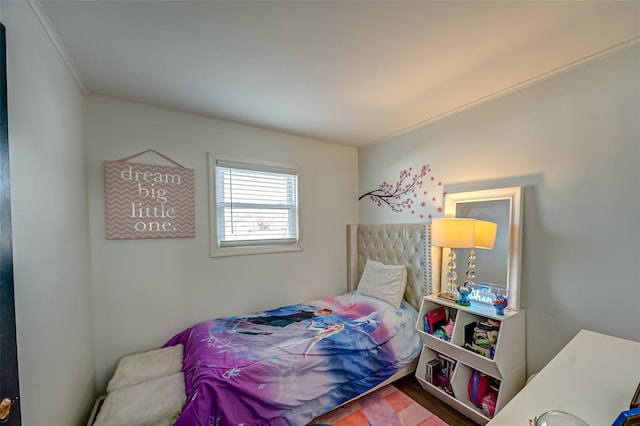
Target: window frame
238, 248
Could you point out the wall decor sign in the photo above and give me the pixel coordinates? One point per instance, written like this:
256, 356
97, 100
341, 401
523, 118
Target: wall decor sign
148, 201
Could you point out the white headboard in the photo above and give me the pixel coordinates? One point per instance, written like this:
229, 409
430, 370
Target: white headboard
392, 244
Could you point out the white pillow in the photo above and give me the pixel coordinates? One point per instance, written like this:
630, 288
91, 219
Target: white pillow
155, 402
384, 282
140, 367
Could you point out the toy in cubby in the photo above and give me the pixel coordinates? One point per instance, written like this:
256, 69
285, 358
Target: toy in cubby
482, 337
435, 322
432, 371
447, 366
489, 404
478, 387
483, 392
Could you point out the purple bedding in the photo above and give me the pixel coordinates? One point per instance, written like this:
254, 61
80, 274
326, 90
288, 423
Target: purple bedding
289, 365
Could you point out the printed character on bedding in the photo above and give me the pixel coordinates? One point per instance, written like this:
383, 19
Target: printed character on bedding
295, 362
295, 340
254, 324
316, 335
322, 333
285, 320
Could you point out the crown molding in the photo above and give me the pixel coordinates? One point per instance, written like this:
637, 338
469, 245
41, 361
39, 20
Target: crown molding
53, 36
516, 87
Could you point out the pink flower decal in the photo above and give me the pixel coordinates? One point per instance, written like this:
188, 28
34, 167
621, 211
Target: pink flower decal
401, 195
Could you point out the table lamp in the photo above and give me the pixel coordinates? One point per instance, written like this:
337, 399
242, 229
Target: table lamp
452, 233
485, 238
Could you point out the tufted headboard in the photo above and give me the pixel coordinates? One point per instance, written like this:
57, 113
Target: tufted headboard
393, 244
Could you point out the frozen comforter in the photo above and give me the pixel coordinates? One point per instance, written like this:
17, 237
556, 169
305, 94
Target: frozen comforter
289, 365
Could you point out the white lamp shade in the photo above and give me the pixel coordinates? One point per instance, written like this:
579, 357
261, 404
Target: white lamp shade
453, 232
485, 234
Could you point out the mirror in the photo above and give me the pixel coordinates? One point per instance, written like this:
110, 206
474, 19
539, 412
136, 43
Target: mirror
499, 267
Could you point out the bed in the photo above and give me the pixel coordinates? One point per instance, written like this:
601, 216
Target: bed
288, 365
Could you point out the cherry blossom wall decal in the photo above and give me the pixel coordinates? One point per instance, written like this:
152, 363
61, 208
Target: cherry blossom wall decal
402, 195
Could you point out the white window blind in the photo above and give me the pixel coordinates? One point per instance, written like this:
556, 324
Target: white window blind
255, 204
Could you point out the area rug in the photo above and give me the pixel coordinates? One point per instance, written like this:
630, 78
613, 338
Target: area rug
385, 407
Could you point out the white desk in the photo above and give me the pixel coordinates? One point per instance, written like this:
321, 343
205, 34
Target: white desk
594, 377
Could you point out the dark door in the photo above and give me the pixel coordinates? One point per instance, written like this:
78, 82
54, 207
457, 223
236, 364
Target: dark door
9, 391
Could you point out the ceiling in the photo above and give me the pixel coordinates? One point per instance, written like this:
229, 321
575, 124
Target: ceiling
350, 72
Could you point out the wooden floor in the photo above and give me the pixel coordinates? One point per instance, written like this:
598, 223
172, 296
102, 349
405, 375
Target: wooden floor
410, 386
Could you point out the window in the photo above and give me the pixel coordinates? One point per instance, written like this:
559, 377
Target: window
255, 208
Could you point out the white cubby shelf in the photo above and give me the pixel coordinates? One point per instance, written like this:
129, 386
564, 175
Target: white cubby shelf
507, 367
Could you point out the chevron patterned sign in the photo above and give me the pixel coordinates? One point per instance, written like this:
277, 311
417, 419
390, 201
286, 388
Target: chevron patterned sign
148, 201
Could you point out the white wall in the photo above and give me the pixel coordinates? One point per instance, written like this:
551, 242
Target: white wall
145, 291
50, 227
572, 142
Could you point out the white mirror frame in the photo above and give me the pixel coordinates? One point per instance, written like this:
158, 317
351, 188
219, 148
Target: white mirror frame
514, 195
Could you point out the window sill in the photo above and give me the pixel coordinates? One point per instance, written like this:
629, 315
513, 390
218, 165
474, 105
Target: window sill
263, 249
